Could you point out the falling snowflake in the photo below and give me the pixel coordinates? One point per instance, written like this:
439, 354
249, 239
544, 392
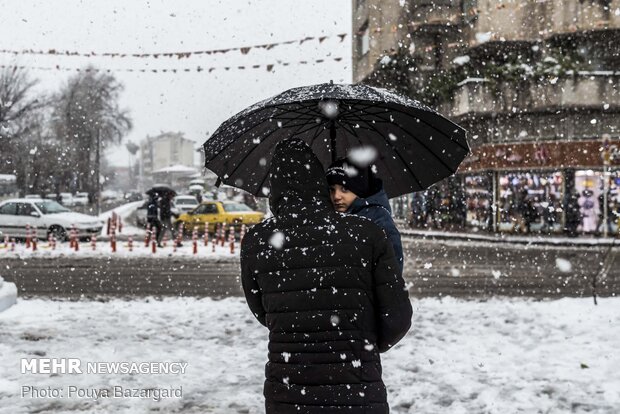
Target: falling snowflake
563, 265
363, 156
277, 240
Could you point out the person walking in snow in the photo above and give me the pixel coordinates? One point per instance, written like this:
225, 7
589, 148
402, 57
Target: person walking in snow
356, 190
152, 213
328, 287
165, 215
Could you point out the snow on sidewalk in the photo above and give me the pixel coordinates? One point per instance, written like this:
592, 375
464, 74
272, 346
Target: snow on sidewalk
8, 294
496, 356
139, 250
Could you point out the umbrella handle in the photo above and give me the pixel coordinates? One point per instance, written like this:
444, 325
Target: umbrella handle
332, 138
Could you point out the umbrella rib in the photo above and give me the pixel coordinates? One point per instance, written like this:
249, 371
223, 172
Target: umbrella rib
376, 105
415, 177
274, 107
419, 142
426, 123
263, 181
315, 136
266, 137
403, 160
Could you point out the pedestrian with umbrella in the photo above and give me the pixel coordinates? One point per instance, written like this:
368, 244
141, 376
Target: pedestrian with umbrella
309, 272
166, 194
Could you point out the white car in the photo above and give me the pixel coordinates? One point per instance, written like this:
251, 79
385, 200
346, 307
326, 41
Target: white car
66, 199
80, 199
48, 216
184, 203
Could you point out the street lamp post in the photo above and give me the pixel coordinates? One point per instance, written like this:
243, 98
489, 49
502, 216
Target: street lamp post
98, 181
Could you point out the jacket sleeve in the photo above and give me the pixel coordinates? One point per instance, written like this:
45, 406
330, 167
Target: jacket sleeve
384, 220
253, 293
394, 310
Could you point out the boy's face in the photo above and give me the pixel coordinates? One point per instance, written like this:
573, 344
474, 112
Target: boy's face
341, 197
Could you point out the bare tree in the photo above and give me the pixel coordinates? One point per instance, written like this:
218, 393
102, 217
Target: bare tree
87, 117
18, 106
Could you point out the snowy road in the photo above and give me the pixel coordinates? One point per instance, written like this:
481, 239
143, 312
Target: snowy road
432, 267
496, 356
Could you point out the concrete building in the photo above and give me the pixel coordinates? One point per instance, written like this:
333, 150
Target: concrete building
535, 82
165, 150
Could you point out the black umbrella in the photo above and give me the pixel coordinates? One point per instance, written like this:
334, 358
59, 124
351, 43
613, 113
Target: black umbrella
161, 190
415, 146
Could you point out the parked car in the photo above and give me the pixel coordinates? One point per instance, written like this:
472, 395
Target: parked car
66, 199
185, 203
133, 195
141, 214
209, 213
48, 216
80, 199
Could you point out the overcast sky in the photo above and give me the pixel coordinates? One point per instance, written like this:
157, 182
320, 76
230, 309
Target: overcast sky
196, 102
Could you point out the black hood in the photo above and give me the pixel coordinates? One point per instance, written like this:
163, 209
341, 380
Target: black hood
297, 179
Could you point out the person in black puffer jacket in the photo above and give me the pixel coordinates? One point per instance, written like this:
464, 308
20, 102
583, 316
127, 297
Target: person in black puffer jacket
328, 287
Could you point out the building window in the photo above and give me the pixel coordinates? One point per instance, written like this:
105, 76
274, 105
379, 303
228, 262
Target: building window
470, 11
363, 40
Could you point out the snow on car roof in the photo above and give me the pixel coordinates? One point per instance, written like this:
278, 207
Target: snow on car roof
21, 200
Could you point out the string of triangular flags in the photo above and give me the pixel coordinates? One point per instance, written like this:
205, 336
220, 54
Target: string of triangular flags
179, 55
268, 66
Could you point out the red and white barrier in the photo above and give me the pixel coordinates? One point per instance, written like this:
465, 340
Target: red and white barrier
93, 242
34, 239
147, 235
130, 243
177, 242
195, 240
231, 238
242, 233
73, 237
113, 240
27, 236
153, 243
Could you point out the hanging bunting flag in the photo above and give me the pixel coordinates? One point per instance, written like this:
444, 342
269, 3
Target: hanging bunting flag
244, 50
198, 69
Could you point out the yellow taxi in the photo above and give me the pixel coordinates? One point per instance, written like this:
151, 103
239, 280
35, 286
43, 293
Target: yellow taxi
210, 213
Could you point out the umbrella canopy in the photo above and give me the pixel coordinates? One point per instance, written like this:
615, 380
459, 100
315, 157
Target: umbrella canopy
411, 145
161, 190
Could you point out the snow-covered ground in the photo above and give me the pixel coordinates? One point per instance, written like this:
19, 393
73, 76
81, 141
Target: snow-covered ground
125, 211
496, 356
8, 294
139, 250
